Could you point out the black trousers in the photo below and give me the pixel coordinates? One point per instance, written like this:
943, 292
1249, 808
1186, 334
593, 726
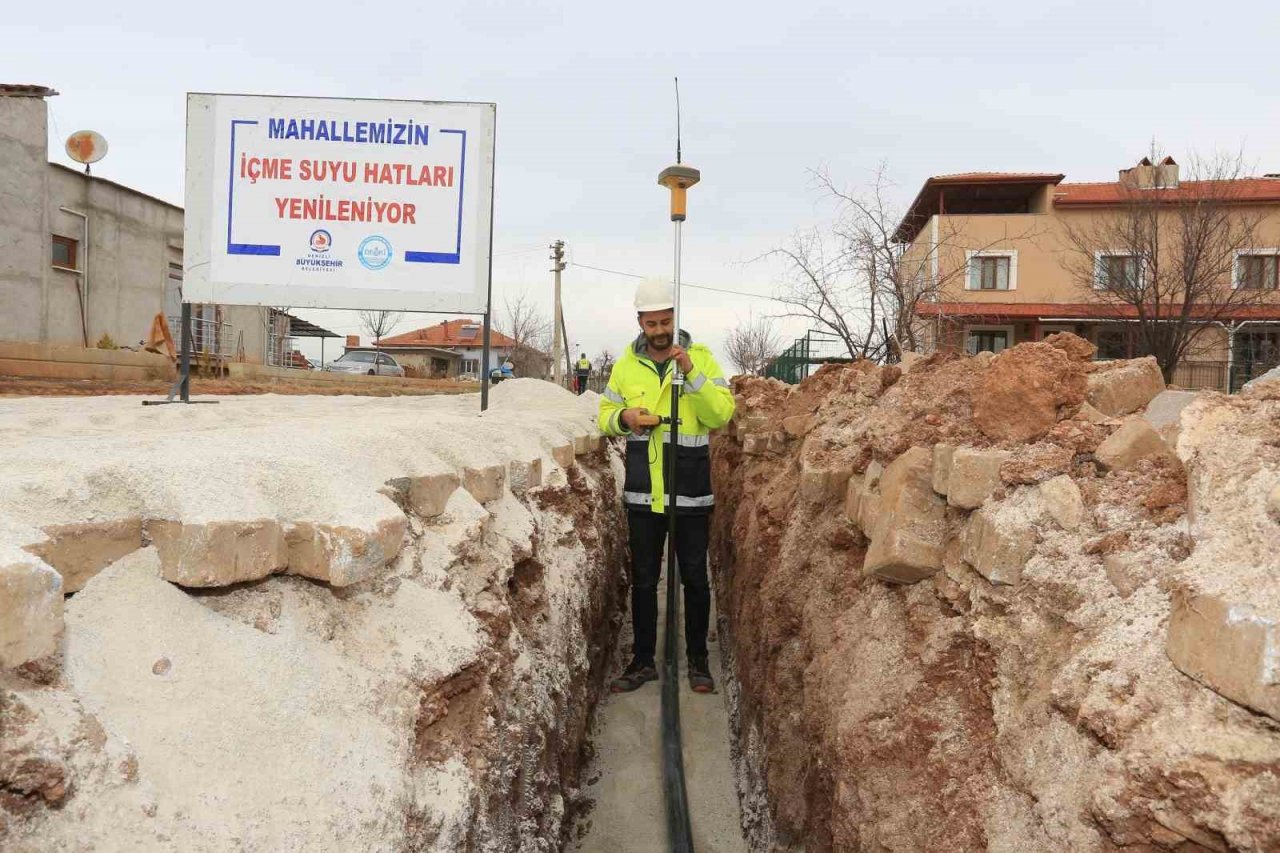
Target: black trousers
648, 537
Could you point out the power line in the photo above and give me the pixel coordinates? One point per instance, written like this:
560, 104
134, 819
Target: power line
682, 284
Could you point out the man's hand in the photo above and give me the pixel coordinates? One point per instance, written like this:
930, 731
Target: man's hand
630, 420
682, 359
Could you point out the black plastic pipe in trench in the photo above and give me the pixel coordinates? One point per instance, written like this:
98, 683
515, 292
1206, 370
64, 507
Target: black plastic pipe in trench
679, 828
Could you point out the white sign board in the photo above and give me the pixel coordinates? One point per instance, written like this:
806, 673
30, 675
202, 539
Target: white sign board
338, 203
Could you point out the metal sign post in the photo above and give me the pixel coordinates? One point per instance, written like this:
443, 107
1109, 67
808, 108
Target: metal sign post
181, 387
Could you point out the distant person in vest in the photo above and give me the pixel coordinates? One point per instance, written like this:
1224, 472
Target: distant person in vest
639, 385
584, 372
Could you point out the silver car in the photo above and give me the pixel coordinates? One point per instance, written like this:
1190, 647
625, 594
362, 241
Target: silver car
369, 363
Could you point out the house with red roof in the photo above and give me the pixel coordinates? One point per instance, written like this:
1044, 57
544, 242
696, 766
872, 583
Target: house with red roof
1006, 253
454, 348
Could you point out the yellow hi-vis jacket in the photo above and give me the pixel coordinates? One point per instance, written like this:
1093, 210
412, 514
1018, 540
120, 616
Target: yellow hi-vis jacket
584, 365
706, 403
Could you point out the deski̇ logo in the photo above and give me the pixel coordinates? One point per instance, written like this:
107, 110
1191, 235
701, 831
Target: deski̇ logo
374, 252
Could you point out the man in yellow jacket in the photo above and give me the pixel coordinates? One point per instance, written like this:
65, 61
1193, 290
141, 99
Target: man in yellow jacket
640, 384
584, 373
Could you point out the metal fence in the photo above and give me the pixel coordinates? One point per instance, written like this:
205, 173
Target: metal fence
279, 348
1201, 375
1243, 371
1216, 375
797, 361
210, 341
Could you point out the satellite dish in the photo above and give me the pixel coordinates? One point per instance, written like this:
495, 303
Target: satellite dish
86, 146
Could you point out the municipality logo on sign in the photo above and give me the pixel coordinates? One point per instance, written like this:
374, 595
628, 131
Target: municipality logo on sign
374, 252
317, 258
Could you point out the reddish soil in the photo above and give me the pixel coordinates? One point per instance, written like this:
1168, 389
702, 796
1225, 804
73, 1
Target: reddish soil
955, 714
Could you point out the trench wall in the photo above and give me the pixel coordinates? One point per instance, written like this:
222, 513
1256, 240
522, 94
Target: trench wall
1001, 604
343, 624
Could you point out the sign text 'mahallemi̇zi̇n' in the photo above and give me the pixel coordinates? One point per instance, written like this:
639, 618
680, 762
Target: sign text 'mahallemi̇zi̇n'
338, 203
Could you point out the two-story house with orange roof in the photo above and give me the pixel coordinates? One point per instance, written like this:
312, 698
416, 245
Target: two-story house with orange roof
1005, 253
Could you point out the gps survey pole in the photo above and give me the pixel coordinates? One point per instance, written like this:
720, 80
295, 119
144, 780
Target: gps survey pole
678, 179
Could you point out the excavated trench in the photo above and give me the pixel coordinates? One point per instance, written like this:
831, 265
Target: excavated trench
968, 609
1011, 603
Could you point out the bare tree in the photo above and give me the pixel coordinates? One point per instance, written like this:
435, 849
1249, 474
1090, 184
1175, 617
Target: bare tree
1170, 257
752, 344
525, 324
379, 324
859, 279
603, 364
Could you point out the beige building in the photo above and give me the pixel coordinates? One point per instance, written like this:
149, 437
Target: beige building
998, 251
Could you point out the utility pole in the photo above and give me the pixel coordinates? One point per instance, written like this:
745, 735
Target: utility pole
557, 260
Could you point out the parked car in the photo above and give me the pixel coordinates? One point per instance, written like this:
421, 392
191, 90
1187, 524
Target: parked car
369, 363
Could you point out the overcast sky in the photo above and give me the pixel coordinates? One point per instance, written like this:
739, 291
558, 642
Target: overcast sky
586, 117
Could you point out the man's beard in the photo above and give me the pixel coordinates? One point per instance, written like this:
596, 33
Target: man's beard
659, 342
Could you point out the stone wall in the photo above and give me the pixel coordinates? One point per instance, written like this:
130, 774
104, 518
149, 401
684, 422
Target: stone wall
984, 604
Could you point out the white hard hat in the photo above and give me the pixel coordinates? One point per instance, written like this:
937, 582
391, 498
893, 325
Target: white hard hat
654, 294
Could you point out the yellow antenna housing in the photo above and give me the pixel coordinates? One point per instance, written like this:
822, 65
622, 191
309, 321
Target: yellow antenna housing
678, 179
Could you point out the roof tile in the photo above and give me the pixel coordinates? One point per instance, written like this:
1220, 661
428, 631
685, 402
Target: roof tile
1241, 190
448, 333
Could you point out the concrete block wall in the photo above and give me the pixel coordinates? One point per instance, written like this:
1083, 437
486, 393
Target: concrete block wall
24, 232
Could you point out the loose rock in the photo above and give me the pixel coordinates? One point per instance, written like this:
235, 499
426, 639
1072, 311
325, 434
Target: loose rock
1164, 412
523, 475
998, 544
1020, 395
30, 610
485, 483
942, 456
1121, 387
907, 539
975, 474
1061, 499
219, 553
1134, 440
80, 551
1230, 645
429, 495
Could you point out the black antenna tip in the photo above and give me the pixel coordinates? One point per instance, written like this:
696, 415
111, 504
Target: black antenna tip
678, 160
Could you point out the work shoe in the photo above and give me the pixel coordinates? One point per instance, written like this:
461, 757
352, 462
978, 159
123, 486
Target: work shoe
636, 675
700, 679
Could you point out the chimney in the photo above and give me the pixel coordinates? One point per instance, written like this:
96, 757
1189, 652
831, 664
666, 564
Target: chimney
1141, 176
1146, 176
24, 198
24, 116
353, 341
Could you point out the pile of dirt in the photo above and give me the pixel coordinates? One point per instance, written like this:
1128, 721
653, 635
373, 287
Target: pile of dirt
433, 694
967, 607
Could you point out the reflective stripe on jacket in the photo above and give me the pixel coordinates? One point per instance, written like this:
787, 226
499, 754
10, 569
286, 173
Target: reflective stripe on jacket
706, 403
584, 366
